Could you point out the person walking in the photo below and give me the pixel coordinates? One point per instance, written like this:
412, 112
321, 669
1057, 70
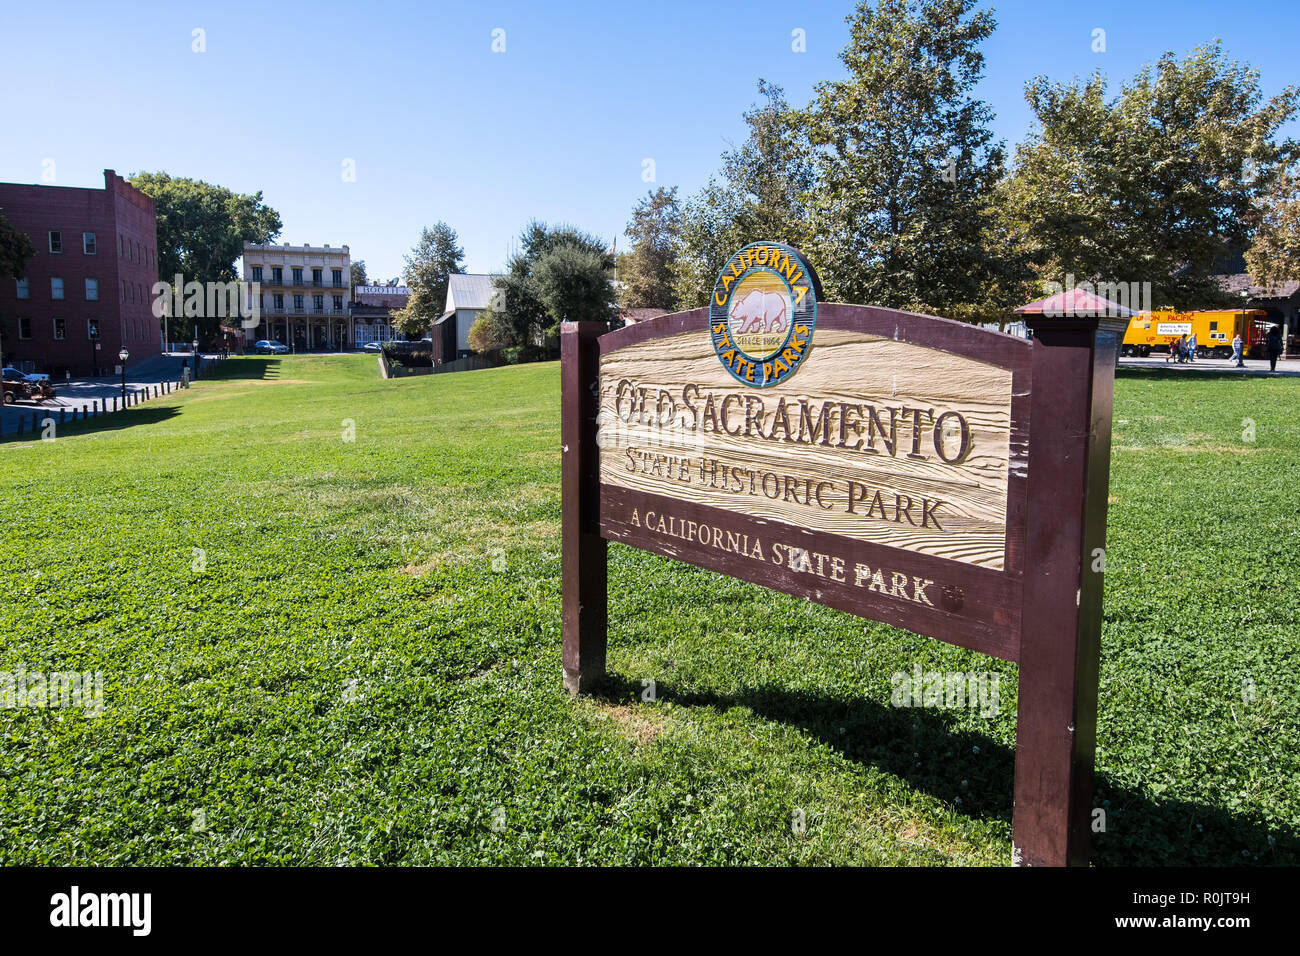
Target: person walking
1191, 347
1236, 351
1274, 345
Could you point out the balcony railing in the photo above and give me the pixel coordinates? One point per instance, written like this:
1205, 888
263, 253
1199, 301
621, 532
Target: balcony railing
304, 283
304, 310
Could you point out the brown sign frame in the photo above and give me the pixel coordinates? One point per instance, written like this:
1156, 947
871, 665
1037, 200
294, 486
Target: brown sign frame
1042, 609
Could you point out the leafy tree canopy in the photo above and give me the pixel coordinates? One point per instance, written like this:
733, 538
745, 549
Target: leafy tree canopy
906, 166
559, 273
760, 194
428, 269
1162, 183
15, 249
202, 228
646, 273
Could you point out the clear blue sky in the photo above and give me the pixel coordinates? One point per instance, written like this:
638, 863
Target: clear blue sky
441, 127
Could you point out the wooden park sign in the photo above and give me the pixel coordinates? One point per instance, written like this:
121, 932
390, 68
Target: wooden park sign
909, 469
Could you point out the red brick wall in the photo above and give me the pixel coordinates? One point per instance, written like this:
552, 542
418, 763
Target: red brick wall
123, 221
137, 267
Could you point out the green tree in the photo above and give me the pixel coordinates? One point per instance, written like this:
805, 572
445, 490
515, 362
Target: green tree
551, 278
646, 273
1275, 253
1162, 183
906, 165
489, 331
428, 269
573, 284
359, 273
15, 249
762, 193
202, 229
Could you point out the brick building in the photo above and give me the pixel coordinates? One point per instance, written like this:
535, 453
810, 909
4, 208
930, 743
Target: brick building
88, 290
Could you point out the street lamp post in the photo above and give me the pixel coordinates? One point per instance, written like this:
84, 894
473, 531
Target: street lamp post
122, 356
196, 360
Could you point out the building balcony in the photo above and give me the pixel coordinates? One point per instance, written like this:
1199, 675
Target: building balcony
305, 310
313, 284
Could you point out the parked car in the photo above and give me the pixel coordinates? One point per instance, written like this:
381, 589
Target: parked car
267, 347
372, 347
18, 375
19, 386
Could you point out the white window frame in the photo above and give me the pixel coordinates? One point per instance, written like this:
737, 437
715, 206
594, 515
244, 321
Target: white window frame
92, 285
59, 280
94, 241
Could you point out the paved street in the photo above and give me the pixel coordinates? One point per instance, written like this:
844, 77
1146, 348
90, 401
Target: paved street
81, 393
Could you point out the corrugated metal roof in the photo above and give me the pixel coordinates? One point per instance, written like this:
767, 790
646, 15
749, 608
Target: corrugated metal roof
468, 291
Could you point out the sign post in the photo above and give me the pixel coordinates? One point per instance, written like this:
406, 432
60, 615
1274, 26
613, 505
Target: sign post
1056, 718
583, 561
909, 469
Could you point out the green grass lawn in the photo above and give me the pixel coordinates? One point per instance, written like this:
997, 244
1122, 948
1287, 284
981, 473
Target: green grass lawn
367, 669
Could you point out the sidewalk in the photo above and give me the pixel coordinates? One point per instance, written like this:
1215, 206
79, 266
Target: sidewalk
81, 394
1288, 366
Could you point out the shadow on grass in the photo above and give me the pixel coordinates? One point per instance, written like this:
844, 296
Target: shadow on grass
108, 422
924, 747
244, 367
1147, 374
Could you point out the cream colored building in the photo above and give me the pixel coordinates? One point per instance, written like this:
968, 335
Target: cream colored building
306, 294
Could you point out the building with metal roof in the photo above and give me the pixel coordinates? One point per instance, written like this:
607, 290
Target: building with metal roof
468, 294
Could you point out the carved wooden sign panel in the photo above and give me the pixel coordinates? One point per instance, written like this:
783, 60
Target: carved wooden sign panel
909, 469
884, 478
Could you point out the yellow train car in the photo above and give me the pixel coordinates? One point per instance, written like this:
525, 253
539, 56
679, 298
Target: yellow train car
1214, 329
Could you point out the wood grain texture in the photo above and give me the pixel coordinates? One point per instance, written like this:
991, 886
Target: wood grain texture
967, 520
972, 607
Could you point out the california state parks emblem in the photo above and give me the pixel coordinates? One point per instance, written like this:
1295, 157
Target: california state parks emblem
763, 313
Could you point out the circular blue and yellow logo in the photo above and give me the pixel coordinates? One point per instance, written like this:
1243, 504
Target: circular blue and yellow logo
763, 313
